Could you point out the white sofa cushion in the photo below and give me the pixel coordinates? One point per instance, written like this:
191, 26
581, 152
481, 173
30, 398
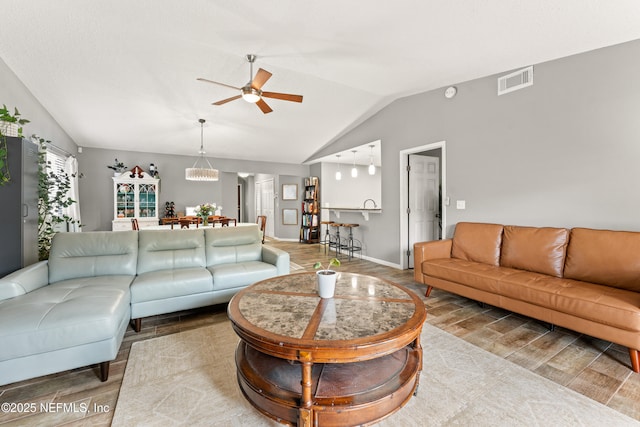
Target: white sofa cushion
62, 315
157, 285
170, 249
96, 253
227, 276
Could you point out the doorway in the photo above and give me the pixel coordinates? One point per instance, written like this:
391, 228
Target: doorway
422, 195
265, 195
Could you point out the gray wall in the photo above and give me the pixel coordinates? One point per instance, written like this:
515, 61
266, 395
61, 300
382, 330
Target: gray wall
96, 185
15, 94
563, 152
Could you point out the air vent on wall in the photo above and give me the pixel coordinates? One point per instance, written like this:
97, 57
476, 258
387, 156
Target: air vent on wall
515, 81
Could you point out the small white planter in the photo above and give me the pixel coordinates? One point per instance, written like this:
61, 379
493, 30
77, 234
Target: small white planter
9, 129
326, 283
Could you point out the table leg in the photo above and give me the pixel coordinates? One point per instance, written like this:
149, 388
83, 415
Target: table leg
305, 405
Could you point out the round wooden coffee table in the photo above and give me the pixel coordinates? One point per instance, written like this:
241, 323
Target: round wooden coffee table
349, 360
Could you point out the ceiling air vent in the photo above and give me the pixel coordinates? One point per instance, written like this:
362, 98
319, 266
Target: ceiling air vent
515, 81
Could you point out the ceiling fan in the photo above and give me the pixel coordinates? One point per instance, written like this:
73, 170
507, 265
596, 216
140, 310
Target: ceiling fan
252, 91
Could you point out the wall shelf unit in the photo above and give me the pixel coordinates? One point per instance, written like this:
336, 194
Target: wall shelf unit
309, 228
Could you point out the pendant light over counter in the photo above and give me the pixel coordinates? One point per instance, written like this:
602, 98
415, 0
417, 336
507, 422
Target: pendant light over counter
372, 167
354, 169
338, 172
199, 171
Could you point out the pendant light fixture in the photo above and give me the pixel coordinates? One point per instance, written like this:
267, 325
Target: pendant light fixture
372, 167
354, 170
338, 173
201, 173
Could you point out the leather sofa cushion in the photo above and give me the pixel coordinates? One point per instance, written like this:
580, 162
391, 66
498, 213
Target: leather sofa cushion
227, 245
163, 284
605, 257
602, 304
474, 274
66, 314
477, 242
227, 276
95, 253
540, 250
170, 249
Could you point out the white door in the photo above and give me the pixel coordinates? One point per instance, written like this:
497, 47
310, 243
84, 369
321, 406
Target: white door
265, 204
424, 200
268, 206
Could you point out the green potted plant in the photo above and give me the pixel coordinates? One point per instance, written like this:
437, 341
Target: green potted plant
117, 167
10, 125
327, 278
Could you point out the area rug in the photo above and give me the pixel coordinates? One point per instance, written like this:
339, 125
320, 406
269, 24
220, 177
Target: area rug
189, 379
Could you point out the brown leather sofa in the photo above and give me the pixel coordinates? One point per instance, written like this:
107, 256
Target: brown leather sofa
581, 279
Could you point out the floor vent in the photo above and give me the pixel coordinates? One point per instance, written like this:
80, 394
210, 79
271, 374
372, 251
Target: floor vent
515, 81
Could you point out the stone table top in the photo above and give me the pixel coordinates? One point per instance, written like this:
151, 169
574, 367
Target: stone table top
287, 312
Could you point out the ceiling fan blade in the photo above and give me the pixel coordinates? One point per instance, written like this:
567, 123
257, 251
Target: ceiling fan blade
263, 106
283, 96
224, 101
217, 83
260, 79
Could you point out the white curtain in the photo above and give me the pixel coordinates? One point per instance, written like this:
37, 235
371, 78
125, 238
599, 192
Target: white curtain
73, 211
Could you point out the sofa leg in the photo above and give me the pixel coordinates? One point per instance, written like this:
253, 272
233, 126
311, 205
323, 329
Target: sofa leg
429, 289
136, 324
104, 371
635, 359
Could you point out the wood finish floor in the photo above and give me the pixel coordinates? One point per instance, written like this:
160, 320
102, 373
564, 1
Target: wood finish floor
592, 367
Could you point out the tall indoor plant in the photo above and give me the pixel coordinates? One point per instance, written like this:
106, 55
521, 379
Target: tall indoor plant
53, 198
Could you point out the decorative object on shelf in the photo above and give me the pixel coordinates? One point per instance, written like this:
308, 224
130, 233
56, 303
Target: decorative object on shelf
53, 198
10, 125
327, 278
354, 169
169, 210
372, 167
338, 172
136, 172
201, 173
153, 170
118, 167
205, 210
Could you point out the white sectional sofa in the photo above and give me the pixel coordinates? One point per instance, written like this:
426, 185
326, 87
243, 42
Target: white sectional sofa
74, 309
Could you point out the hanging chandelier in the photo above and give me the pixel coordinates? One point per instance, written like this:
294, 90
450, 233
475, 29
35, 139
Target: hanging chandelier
201, 173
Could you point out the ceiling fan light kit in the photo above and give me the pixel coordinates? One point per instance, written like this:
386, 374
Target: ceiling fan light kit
197, 172
252, 91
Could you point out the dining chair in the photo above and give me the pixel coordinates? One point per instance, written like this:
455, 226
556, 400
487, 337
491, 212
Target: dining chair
261, 220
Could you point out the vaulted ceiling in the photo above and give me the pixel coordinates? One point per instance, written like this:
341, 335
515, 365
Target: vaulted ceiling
121, 74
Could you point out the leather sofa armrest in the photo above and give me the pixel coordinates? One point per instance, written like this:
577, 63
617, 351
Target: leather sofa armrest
25, 280
277, 257
422, 251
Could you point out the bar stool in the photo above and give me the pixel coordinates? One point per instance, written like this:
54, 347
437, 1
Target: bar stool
326, 239
334, 238
351, 245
